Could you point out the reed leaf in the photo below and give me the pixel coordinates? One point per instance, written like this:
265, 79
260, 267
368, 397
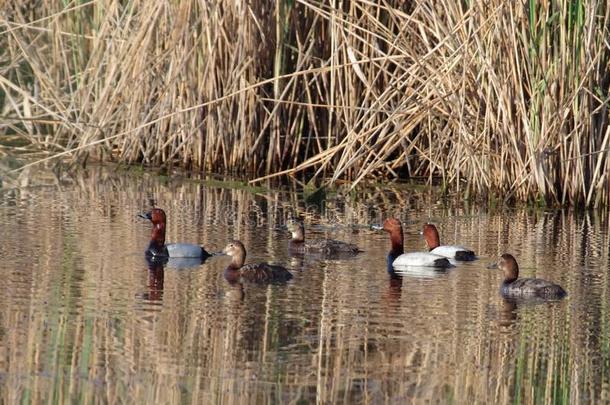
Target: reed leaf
490, 97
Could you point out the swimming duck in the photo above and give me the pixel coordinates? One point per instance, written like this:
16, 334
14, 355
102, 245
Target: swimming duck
259, 272
298, 244
515, 287
157, 246
420, 259
452, 252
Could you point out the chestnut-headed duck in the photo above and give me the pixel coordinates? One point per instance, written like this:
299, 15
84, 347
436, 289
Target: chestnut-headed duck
419, 259
157, 246
329, 247
259, 272
515, 287
452, 252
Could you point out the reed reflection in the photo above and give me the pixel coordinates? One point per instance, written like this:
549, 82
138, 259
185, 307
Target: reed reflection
326, 336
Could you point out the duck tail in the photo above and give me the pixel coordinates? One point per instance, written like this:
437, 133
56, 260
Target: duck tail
465, 255
442, 263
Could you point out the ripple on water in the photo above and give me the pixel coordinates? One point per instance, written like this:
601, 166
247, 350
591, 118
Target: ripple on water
83, 309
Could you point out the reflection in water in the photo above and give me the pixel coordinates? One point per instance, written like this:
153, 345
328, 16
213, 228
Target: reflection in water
411, 271
156, 274
185, 262
340, 331
394, 290
508, 312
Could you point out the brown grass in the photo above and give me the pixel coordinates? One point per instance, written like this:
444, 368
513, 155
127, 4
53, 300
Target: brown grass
495, 97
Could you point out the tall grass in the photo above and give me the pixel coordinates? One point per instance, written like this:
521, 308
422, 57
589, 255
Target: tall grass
509, 98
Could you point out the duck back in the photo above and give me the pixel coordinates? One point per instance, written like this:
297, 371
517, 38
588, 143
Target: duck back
421, 259
324, 246
186, 250
454, 252
532, 287
263, 272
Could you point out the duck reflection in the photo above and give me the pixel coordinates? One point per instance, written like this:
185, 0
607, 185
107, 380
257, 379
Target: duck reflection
394, 291
508, 312
156, 274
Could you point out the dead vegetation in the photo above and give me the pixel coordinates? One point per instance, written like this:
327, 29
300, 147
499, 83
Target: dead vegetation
493, 96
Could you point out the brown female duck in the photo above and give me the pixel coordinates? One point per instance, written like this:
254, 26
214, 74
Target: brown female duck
259, 272
328, 247
515, 287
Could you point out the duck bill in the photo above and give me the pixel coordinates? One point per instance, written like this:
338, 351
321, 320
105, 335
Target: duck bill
492, 266
145, 215
377, 227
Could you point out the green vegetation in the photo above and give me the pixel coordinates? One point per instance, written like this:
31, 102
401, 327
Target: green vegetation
491, 97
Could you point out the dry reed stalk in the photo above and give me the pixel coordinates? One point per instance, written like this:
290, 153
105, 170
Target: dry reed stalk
492, 97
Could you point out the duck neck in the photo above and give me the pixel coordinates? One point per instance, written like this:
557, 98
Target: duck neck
298, 235
431, 237
397, 241
433, 243
237, 260
511, 275
157, 239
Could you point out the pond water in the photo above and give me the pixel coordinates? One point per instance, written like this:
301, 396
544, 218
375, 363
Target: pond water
84, 319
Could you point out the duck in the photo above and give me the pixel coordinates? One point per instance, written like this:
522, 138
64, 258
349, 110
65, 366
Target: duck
299, 245
419, 259
157, 246
515, 287
459, 253
258, 272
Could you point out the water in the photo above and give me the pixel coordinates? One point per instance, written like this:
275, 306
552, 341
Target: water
84, 319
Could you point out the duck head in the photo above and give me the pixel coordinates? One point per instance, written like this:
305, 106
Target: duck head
431, 236
237, 251
508, 264
394, 228
158, 219
296, 229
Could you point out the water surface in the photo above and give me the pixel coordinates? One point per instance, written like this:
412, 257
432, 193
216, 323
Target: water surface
84, 318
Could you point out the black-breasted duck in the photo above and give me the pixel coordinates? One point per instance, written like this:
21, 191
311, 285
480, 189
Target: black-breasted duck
157, 246
452, 252
417, 259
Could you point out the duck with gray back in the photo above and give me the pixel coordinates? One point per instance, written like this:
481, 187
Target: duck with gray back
515, 287
157, 246
417, 259
328, 247
259, 272
452, 252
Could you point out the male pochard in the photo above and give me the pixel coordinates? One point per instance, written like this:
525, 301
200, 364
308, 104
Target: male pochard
452, 252
157, 246
329, 247
259, 272
515, 287
419, 259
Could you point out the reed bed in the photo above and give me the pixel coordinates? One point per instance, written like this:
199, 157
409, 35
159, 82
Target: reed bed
490, 97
